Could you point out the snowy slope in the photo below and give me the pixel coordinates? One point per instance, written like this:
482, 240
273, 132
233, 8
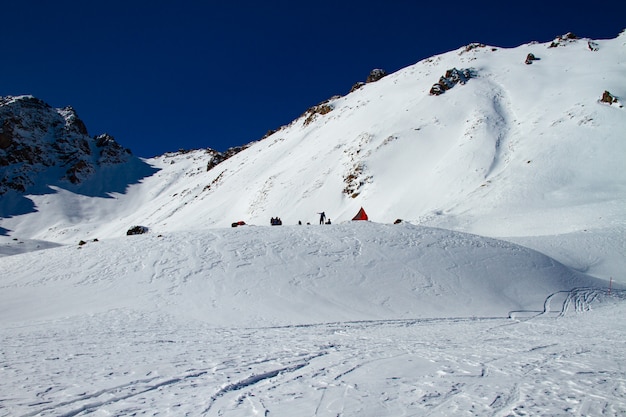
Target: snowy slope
289, 275
353, 319
526, 152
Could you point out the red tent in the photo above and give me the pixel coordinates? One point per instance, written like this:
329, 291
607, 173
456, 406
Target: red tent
361, 215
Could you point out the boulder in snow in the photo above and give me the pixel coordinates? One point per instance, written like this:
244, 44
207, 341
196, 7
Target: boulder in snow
137, 230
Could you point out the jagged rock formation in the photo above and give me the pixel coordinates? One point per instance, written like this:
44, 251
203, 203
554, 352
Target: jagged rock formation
219, 157
473, 46
312, 112
357, 85
450, 79
375, 75
36, 138
563, 40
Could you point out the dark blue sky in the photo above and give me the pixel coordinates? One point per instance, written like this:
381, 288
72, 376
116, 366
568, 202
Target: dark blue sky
166, 75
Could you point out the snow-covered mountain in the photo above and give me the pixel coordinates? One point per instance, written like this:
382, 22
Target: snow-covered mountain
498, 293
517, 142
41, 146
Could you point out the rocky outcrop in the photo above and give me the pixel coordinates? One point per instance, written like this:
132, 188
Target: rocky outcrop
111, 152
375, 75
357, 85
312, 112
36, 139
563, 40
219, 157
136, 230
609, 99
472, 46
355, 179
530, 58
78, 172
593, 46
450, 79
72, 122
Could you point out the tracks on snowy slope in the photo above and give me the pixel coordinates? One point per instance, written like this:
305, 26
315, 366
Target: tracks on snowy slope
560, 303
330, 368
256, 378
92, 401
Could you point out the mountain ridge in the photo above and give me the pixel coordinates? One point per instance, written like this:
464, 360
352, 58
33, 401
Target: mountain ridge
35, 137
511, 147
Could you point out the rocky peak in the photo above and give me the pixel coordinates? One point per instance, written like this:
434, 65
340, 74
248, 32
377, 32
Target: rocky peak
72, 122
111, 152
37, 139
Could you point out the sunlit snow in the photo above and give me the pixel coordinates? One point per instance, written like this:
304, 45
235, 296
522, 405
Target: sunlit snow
501, 292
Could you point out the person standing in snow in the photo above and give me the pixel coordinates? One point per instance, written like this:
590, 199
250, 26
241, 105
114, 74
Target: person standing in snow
322, 217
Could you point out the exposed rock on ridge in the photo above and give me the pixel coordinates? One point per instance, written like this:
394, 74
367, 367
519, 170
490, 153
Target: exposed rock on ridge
374, 75
219, 157
450, 79
36, 138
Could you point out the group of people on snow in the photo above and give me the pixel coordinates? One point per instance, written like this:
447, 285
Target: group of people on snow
276, 221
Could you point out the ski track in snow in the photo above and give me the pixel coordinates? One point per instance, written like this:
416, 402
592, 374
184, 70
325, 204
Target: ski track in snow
123, 363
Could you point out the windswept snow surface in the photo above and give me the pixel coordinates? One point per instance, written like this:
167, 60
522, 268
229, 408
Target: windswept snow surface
290, 275
356, 318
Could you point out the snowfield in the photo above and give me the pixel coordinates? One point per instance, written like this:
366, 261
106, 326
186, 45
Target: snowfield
357, 318
290, 275
123, 362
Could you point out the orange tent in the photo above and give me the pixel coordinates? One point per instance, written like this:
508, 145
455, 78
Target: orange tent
361, 215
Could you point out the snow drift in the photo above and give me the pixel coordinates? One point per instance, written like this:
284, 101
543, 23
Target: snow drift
258, 276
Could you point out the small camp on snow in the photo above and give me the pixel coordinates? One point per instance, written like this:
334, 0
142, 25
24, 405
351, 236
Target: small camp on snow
361, 215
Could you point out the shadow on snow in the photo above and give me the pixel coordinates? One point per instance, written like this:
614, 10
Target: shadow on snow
106, 181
